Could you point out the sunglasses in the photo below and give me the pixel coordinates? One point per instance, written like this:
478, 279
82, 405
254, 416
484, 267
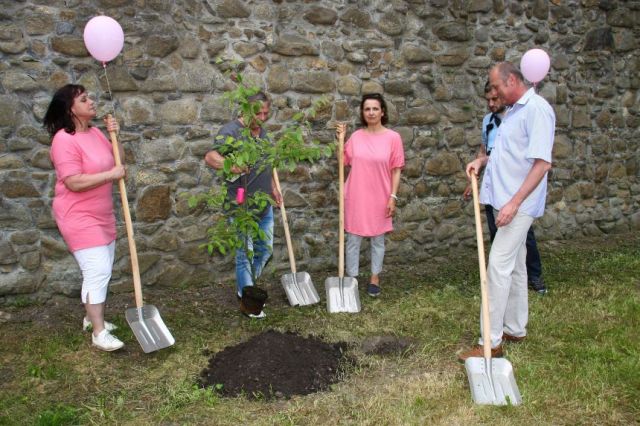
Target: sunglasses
372, 96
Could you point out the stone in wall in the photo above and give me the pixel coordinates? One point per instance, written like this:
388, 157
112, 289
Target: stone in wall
429, 59
232, 9
321, 16
160, 45
415, 53
69, 45
598, 39
20, 282
182, 111
8, 110
453, 57
357, 17
154, 204
278, 80
313, 82
444, 163
392, 23
453, 31
12, 188
294, 45
422, 116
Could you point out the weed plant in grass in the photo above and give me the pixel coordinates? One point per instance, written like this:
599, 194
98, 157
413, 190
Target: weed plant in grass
578, 365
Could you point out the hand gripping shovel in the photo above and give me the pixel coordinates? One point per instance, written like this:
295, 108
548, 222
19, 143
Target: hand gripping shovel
297, 285
342, 293
145, 321
491, 380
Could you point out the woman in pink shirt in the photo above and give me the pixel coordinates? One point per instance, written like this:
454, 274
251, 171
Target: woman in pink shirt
376, 157
83, 203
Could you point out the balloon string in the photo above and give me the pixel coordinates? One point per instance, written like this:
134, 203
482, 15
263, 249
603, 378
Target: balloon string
113, 108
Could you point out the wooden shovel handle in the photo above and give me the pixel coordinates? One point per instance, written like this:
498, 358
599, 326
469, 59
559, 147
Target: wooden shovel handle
341, 204
484, 292
127, 220
285, 224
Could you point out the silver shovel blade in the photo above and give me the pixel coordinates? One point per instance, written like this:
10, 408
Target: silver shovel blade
149, 329
342, 294
300, 289
492, 381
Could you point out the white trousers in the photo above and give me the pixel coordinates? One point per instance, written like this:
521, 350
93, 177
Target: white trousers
507, 280
353, 254
96, 264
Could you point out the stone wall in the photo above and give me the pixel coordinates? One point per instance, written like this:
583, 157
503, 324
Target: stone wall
430, 58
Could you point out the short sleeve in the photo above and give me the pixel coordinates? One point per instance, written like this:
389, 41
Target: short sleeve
541, 129
485, 137
221, 138
397, 152
348, 151
65, 155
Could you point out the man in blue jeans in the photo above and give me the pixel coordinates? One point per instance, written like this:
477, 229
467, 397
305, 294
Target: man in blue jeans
255, 179
490, 124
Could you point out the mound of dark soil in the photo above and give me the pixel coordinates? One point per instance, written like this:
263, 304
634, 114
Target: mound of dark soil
273, 364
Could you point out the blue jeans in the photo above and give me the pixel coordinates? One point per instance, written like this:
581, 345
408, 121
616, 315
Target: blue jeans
534, 263
261, 253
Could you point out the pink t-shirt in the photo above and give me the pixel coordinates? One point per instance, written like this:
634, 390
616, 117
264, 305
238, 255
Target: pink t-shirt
368, 186
85, 219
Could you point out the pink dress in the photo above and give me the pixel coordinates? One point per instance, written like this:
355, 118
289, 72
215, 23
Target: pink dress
85, 219
368, 186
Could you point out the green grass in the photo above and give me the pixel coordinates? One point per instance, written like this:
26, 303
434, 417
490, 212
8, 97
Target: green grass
579, 364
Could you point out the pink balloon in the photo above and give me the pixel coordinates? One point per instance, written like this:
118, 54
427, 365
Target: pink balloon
103, 37
535, 65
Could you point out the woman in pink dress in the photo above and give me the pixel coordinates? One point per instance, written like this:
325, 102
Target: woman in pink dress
376, 157
83, 203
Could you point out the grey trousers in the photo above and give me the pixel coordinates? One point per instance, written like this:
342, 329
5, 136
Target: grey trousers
353, 254
507, 280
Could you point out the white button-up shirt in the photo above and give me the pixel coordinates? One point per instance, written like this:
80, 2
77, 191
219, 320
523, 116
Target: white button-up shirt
526, 133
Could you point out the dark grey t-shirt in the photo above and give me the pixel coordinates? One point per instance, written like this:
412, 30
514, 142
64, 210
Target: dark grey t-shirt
255, 181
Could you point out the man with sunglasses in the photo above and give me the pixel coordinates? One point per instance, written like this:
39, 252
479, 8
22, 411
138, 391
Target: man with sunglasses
490, 124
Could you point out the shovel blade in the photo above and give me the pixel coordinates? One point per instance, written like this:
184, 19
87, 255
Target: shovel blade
492, 381
342, 294
149, 329
299, 289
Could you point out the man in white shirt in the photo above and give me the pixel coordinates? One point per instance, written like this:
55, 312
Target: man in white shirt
515, 184
490, 124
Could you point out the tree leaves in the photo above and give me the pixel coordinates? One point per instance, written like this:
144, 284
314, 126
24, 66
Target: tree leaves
290, 146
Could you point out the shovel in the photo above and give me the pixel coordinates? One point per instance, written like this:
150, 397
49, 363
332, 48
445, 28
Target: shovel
144, 320
342, 293
491, 380
297, 285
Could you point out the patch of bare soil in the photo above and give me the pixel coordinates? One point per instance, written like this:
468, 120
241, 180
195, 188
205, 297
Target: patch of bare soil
387, 345
275, 365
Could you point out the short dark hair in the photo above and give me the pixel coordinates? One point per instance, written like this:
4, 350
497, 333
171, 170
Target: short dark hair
383, 106
59, 115
487, 87
255, 103
259, 97
505, 69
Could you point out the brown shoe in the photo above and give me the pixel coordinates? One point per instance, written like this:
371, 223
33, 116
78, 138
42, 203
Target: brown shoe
478, 352
513, 339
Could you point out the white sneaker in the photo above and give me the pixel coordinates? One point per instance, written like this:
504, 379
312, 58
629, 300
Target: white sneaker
261, 315
87, 326
106, 341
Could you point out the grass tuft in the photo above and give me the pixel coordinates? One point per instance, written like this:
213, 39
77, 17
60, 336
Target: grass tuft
578, 365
